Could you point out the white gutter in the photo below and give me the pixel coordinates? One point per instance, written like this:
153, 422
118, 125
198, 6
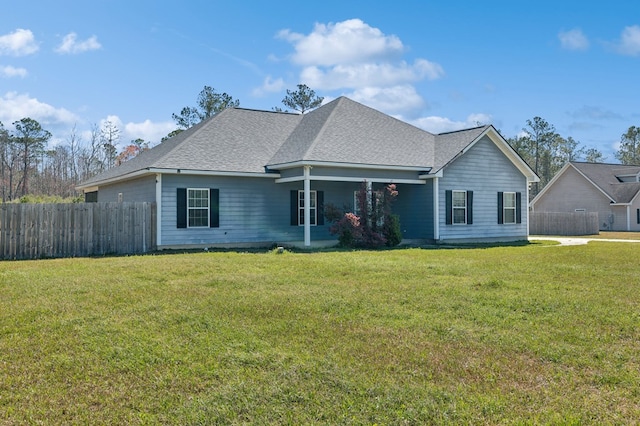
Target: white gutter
350, 179
148, 171
285, 166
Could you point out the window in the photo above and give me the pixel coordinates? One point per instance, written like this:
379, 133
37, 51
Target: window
509, 207
313, 209
458, 207
316, 208
197, 208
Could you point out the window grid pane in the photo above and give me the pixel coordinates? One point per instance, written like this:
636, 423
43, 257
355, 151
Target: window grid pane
459, 201
312, 207
198, 208
509, 207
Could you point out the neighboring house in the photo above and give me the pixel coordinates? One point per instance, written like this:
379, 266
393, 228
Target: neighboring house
247, 177
611, 190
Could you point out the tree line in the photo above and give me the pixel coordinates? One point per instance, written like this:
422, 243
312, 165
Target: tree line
28, 166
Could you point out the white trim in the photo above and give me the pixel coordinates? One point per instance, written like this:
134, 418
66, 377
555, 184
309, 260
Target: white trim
454, 207
285, 166
214, 173
208, 192
527, 210
128, 176
148, 171
514, 208
438, 174
307, 206
350, 179
628, 217
158, 209
436, 209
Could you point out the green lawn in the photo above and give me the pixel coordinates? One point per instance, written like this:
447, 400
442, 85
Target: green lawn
532, 334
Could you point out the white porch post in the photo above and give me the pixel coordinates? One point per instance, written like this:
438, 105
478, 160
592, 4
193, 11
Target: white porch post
307, 206
526, 202
158, 209
436, 209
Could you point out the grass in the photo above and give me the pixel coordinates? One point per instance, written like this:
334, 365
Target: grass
535, 334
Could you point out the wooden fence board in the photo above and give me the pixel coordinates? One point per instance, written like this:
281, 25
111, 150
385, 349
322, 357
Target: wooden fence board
559, 223
31, 231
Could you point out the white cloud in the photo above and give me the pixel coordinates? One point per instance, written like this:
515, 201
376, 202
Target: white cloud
70, 44
347, 42
353, 56
14, 106
436, 125
269, 85
370, 74
629, 43
10, 71
147, 130
18, 43
573, 40
392, 100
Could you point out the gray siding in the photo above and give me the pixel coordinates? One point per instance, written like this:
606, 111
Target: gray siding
135, 190
252, 210
414, 206
485, 171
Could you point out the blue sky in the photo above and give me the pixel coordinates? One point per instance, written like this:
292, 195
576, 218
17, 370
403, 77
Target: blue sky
440, 65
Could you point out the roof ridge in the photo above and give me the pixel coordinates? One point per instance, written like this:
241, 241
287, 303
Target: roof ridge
320, 132
465, 130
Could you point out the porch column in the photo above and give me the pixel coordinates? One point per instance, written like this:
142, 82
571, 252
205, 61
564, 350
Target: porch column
307, 206
436, 208
158, 209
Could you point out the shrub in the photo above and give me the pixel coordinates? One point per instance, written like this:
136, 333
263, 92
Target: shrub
374, 227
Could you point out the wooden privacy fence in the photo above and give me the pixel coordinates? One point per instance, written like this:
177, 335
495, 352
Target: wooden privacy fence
578, 223
32, 231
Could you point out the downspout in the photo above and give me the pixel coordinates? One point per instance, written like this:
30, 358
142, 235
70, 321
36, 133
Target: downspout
158, 209
307, 206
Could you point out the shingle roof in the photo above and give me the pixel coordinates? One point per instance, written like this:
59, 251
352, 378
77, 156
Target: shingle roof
344, 131
340, 132
604, 177
449, 145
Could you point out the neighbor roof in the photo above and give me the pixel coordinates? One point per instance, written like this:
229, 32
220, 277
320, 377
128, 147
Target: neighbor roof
343, 131
604, 176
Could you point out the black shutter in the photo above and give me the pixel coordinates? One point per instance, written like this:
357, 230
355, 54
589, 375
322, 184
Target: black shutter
500, 211
448, 202
637, 215
181, 206
469, 207
294, 207
320, 207
214, 208
518, 207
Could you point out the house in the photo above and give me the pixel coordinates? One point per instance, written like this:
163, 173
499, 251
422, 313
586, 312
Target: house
247, 177
611, 190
